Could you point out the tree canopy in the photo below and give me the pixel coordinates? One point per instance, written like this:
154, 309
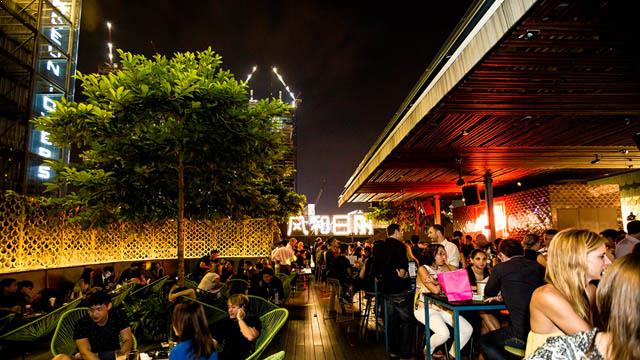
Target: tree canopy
141, 126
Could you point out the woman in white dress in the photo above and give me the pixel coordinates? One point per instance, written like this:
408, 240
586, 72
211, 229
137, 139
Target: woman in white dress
434, 260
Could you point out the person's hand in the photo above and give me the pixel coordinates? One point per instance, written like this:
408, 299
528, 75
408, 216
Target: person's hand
121, 357
241, 314
494, 298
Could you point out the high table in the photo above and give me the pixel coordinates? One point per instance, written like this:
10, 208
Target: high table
457, 307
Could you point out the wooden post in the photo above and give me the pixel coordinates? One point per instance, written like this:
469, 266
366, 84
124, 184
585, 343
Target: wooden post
488, 196
436, 209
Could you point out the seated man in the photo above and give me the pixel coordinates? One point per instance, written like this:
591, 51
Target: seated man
210, 282
516, 277
239, 331
270, 287
105, 334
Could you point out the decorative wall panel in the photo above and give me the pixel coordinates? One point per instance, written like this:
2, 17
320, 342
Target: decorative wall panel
535, 210
30, 239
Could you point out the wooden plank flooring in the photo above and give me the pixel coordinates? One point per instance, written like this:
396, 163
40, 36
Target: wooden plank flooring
310, 334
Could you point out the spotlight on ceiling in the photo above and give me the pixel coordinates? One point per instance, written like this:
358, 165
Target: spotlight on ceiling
519, 183
596, 160
460, 181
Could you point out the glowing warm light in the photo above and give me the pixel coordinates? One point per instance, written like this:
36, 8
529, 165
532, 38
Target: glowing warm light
109, 25
344, 225
481, 223
110, 46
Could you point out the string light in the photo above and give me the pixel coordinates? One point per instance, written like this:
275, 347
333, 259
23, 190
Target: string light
110, 44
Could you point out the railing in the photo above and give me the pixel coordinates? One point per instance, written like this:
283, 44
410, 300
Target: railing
31, 239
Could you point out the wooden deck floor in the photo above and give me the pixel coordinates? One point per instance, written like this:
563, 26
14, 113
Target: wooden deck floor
310, 333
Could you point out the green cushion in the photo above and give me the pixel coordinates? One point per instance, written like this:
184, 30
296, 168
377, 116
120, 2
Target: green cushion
514, 350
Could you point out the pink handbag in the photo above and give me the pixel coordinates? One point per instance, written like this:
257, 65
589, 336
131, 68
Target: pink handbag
455, 284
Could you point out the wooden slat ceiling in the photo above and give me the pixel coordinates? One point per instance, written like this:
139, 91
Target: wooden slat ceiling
560, 87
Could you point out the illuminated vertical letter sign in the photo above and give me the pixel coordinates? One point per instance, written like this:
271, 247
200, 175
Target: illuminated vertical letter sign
320, 225
361, 225
296, 223
341, 225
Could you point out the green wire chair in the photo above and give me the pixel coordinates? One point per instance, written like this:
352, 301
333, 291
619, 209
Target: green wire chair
62, 341
276, 356
153, 287
271, 324
190, 283
40, 327
259, 306
118, 298
5, 320
213, 313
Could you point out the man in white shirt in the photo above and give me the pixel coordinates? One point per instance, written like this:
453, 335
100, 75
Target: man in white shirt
210, 282
625, 246
436, 234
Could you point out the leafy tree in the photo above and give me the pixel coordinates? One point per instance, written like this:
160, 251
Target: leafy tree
168, 138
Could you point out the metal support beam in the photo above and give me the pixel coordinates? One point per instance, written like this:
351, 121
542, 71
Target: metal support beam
488, 196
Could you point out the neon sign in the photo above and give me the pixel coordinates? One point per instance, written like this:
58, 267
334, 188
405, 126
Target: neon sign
342, 225
53, 67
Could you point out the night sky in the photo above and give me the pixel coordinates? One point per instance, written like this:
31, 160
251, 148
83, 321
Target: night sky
351, 63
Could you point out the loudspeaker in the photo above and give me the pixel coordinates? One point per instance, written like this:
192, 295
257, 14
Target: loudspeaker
471, 196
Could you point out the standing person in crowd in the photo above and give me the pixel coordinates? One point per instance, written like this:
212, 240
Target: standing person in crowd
618, 289
416, 251
227, 270
189, 322
239, 331
436, 234
565, 304
9, 298
104, 334
532, 245
434, 261
516, 278
341, 271
390, 265
478, 271
625, 246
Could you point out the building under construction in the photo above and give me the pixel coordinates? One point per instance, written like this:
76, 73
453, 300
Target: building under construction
38, 52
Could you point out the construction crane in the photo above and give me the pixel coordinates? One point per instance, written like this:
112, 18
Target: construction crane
324, 182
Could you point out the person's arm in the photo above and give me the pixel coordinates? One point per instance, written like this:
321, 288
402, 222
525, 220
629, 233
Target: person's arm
191, 293
542, 260
493, 284
84, 348
250, 333
427, 281
126, 341
551, 304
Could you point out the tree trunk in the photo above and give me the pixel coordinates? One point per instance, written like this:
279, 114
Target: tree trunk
180, 220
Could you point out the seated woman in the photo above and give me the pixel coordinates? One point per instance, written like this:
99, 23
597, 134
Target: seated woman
434, 261
239, 331
564, 305
195, 341
618, 289
478, 272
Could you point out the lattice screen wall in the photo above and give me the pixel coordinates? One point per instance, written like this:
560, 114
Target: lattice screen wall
32, 240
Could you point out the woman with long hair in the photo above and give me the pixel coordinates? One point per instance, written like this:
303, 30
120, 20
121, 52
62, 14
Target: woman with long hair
566, 304
190, 325
617, 298
434, 261
478, 272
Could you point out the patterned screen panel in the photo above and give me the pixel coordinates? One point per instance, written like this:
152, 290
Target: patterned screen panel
31, 239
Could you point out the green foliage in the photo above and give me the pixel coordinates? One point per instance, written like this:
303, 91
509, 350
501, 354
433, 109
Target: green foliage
384, 212
150, 317
135, 126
